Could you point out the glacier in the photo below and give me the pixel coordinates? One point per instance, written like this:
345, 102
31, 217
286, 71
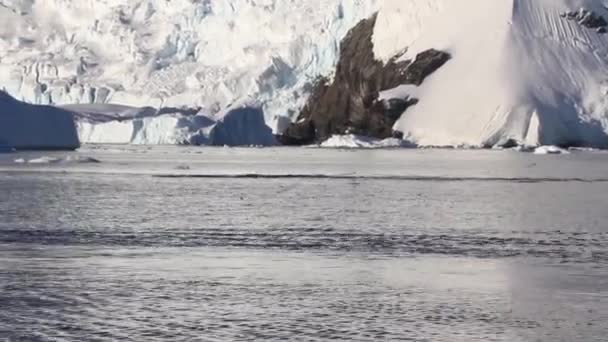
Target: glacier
203, 72
205, 54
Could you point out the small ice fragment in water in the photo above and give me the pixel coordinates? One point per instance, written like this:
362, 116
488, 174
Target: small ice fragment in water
550, 150
83, 160
44, 160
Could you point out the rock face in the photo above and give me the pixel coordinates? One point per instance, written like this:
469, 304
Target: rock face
588, 19
350, 104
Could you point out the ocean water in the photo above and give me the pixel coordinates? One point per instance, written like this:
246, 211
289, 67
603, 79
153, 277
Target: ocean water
212, 244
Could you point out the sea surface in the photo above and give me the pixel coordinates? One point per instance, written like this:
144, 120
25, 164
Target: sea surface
116, 243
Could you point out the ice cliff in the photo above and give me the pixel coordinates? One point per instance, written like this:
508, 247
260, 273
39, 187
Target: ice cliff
179, 53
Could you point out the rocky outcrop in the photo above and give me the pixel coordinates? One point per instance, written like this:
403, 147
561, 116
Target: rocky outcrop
350, 103
588, 19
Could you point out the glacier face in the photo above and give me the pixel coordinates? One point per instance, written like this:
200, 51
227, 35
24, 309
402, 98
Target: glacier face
521, 72
116, 124
159, 53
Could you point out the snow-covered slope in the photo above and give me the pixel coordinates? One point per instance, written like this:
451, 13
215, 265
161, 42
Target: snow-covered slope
520, 71
25, 126
160, 53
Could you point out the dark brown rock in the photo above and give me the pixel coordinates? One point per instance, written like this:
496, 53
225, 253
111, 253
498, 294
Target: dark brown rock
349, 104
588, 19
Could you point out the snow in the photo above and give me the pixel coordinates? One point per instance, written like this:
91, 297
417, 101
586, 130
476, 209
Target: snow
82, 160
25, 126
401, 22
520, 72
403, 91
356, 141
158, 53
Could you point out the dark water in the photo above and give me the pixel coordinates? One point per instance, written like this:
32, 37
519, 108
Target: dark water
131, 256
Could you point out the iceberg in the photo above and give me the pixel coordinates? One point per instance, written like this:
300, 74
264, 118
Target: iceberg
25, 126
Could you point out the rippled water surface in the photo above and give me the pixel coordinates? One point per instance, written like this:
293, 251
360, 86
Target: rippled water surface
184, 244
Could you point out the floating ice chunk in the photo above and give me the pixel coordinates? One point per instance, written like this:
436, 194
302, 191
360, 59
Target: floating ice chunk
81, 160
44, 160
550, 150
524, 148
356, 141
56, 160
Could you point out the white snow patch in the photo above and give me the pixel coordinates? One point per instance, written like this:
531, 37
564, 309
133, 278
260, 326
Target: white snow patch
404, 91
